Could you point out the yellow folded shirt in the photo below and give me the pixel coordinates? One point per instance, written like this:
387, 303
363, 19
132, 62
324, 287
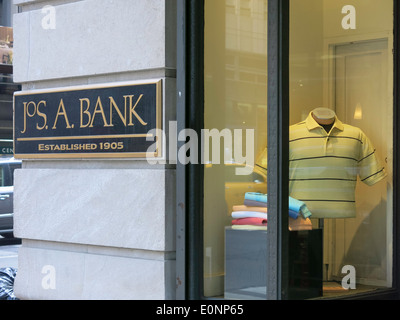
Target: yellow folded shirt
300, 224
246, 208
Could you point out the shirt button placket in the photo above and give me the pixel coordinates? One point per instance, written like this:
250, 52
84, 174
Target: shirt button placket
329, 146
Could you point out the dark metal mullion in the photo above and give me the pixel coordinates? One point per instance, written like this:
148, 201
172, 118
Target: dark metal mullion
194, 119
278, 149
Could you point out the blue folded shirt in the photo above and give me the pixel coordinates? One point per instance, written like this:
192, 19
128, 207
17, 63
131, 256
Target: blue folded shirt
295, 204
305, 212
293, 214
255, 196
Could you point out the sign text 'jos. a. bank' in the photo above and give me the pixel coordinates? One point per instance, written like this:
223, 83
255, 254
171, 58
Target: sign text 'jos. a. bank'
87, 122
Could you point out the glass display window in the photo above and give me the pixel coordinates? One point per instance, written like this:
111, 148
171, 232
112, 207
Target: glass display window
337, 108
341, 136
235, 100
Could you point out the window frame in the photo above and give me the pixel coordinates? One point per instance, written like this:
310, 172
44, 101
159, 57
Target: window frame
190, 114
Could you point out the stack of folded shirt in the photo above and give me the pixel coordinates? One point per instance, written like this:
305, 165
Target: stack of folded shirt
296, 207
246, 217
298, 212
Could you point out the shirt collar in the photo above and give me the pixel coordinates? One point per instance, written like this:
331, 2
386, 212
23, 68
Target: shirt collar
312, 124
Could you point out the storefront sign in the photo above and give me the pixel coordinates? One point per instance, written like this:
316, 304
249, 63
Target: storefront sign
88, 122
6, 147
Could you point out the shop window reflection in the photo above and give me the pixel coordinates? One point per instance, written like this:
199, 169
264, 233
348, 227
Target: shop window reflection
235, 98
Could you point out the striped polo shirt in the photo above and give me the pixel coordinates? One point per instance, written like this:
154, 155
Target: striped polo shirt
324, 167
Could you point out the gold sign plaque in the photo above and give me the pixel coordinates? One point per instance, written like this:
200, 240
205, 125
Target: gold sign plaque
102, 121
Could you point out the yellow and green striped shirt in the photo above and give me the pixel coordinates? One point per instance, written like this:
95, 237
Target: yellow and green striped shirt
324, 167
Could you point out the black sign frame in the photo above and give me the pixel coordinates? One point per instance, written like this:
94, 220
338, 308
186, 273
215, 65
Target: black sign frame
114, 120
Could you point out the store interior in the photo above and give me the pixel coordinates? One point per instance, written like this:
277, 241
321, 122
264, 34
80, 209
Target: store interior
341, 60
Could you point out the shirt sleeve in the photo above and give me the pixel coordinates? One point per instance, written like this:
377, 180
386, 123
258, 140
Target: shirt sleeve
370, 167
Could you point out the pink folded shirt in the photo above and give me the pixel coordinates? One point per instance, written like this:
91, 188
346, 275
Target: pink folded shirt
250, 221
